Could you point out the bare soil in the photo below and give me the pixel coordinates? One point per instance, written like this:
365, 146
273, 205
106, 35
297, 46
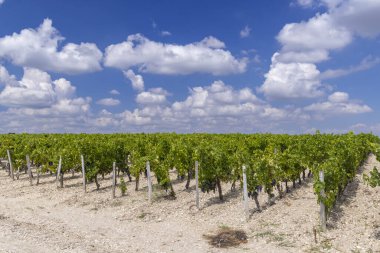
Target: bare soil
45, 218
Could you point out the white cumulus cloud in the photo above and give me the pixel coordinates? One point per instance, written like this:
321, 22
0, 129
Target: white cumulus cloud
37, 93
292, 81
319, 32
153, 96
338, 103
35, 89
307, 43
39, 48
206, 56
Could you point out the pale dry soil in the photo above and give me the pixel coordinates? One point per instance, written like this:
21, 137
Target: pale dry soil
45, 218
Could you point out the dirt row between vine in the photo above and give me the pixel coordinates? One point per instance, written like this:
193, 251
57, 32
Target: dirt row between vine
44, 218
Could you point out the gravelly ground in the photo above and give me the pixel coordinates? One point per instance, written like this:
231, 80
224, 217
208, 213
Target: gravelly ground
44, 218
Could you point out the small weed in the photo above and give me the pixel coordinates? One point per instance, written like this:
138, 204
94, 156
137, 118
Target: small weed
122, 186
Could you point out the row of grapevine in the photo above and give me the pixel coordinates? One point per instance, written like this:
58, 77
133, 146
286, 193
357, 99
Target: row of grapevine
270, 159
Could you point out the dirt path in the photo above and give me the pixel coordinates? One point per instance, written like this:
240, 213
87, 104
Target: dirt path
46, 219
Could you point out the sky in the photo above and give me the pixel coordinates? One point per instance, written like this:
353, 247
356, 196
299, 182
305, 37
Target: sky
220, 66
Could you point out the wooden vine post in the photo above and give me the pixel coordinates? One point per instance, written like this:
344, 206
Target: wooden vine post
196, 184
322, 211
10, 165
245, 193
38, 175
149, 182
29, 170
113, 179
59, 175
83, 173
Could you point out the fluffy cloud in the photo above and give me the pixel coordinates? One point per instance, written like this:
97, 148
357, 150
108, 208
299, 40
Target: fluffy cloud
310, 42
219, 99
293, 73
15, 96
37, 94
35, 89
36, 103
292, 80
206, 56
39, 48
154, 96
108, 102
136, 80
133, 118
67, 115
319, 32
338, 103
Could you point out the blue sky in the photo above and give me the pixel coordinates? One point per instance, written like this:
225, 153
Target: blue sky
283, 66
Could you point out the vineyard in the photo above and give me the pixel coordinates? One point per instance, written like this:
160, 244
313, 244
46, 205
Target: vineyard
60, 176
272, 163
